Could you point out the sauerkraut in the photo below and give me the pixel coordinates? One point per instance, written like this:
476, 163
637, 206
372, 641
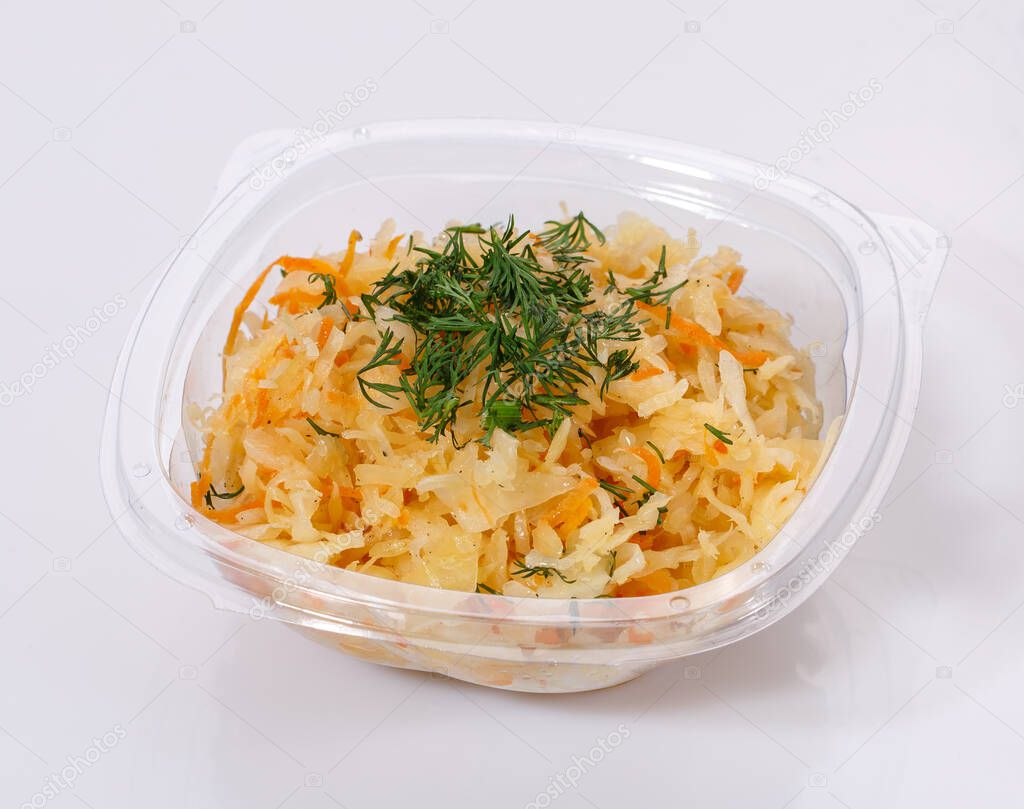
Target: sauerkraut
652, 481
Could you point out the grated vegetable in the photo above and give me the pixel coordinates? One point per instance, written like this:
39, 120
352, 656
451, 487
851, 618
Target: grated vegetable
659, 467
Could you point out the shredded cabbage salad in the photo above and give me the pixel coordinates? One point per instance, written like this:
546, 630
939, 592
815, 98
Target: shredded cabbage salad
560, 413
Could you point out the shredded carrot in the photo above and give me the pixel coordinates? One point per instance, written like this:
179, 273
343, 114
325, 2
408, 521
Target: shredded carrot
696, 334
297, 300
319, 266
639, 635
350, 252
550, 635
392, 245
735, 279
311, 265
645, 373
575, 519
262, 405
656, 583
231, 408
326, 325
720, 446
569, 504
243, 306
198, 490
350, 493
751, 359
653, 464
692, 333
342, 357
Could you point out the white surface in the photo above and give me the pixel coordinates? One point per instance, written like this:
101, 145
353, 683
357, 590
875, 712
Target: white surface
898, 684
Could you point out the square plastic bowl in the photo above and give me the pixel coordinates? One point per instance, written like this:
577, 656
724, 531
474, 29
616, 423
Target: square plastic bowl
857, 286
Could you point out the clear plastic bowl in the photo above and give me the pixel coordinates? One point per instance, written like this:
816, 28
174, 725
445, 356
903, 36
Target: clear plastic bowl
811, 254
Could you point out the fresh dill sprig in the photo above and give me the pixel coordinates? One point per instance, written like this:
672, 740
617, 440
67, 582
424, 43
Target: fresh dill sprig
719, 434
650, 292
618, 492
570, 235
503, 330
620, 365
330, 293
388, 353
526, 572
320, 430
648, 490
657, 451
483, 588
647, 486
521, 333
212, 492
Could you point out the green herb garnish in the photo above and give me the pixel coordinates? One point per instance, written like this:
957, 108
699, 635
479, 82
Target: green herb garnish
522, 569
570, 236
522, 334
330, 293
320, 430
648, 490
388, 353
618, 492
212, 492
650, 292
483, 588
657, 451
721, 436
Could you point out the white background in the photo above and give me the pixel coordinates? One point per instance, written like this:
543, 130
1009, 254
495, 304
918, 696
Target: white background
898, 684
